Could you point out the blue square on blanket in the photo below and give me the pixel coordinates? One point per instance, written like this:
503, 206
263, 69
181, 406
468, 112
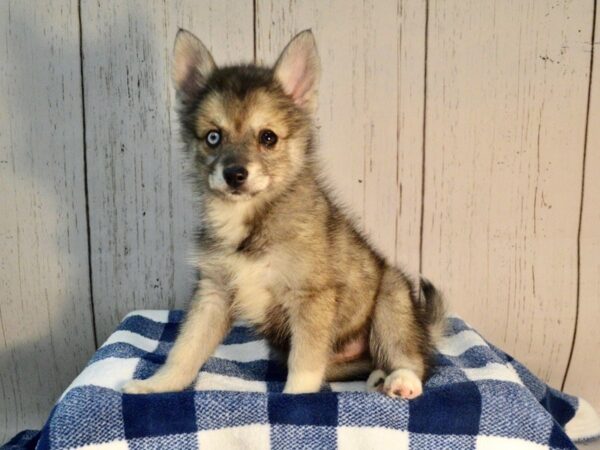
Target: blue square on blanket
561, 406
533, 383
79, 418
170, 332
241, 335
558, 439
142, 325
293, 437
146, 368
304, 409
418, 441
383, 411
218, 409
159, 414
176, 315
454, 409
508, 411
276, 371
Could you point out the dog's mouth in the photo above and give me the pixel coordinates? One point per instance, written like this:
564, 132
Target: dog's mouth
237, 194
234, 194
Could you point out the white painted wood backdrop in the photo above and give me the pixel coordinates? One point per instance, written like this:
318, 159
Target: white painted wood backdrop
464, 136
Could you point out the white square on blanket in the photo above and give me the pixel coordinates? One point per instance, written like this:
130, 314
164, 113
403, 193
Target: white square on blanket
157, 315
112, 445
493, 371
207, 381
348, 386
110, 373
251, 437
502, 443
371, 437
135, 339
246, 352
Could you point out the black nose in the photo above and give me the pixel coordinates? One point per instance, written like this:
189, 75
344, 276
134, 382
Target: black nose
235, 176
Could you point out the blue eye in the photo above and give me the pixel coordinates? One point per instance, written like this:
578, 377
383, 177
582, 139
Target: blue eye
213, 138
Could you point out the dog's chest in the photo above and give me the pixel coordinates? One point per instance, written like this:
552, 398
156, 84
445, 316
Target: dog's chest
229, 224
255, 283
258, 269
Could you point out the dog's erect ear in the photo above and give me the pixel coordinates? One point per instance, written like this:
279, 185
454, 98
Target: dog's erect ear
298, 70
192, 64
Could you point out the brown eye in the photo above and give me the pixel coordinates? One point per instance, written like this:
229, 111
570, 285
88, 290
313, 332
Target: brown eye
267, 138
213, 138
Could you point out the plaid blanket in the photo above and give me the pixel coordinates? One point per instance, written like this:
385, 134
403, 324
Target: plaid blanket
478, 398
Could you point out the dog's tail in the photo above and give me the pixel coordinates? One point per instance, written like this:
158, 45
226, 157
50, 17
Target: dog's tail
434, 309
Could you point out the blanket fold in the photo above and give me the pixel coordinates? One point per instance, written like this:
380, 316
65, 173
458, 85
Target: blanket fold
478, 398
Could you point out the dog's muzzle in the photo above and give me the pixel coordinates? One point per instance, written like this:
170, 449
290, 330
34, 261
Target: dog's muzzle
235, 176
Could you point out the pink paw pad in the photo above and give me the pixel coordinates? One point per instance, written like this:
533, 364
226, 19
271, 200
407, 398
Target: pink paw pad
403, 383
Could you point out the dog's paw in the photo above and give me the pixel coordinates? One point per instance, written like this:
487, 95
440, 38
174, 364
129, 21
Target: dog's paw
305, 382
375, 381
140, 387
151, 385
403, 383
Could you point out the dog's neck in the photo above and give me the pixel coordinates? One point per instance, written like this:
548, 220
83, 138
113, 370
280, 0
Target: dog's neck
231, 223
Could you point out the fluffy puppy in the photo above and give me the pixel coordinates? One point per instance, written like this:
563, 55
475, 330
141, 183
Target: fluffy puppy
273, 248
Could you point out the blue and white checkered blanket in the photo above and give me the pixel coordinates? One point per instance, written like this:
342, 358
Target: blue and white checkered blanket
478, 398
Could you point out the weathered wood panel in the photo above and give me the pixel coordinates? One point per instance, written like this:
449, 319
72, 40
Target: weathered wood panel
140, 214
45, 309
506, 106
582, 378
370, 113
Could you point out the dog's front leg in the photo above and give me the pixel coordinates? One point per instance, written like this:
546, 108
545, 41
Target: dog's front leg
311, 321
205, 326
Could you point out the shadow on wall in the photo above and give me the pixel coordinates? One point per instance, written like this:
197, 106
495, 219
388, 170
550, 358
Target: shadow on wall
137, 236
139, 210
45, 311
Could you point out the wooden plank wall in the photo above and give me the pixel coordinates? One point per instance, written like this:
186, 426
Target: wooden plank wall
371, 107
140, 215
45, 310
584, 370
505, 132
460, 135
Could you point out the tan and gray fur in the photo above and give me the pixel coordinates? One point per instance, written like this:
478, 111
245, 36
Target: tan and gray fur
273, 249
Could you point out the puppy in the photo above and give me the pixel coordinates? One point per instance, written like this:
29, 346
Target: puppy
274, 249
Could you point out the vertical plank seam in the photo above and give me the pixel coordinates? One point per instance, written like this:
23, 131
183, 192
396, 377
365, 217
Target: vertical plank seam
254, 19
85, 176
363, 215
398, 94
582, 196
424, 135
167, 57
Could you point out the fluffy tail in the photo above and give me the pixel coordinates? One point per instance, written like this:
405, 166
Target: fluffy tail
435, 310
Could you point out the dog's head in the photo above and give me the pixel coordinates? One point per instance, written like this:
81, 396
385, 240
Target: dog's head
247, 128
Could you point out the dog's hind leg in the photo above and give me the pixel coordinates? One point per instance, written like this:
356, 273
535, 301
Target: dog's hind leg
400, 343
350, 370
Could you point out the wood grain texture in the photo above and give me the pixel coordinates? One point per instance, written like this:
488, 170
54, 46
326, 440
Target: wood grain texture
370, 107
582, 378
141, 216
46, 327
506, 106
